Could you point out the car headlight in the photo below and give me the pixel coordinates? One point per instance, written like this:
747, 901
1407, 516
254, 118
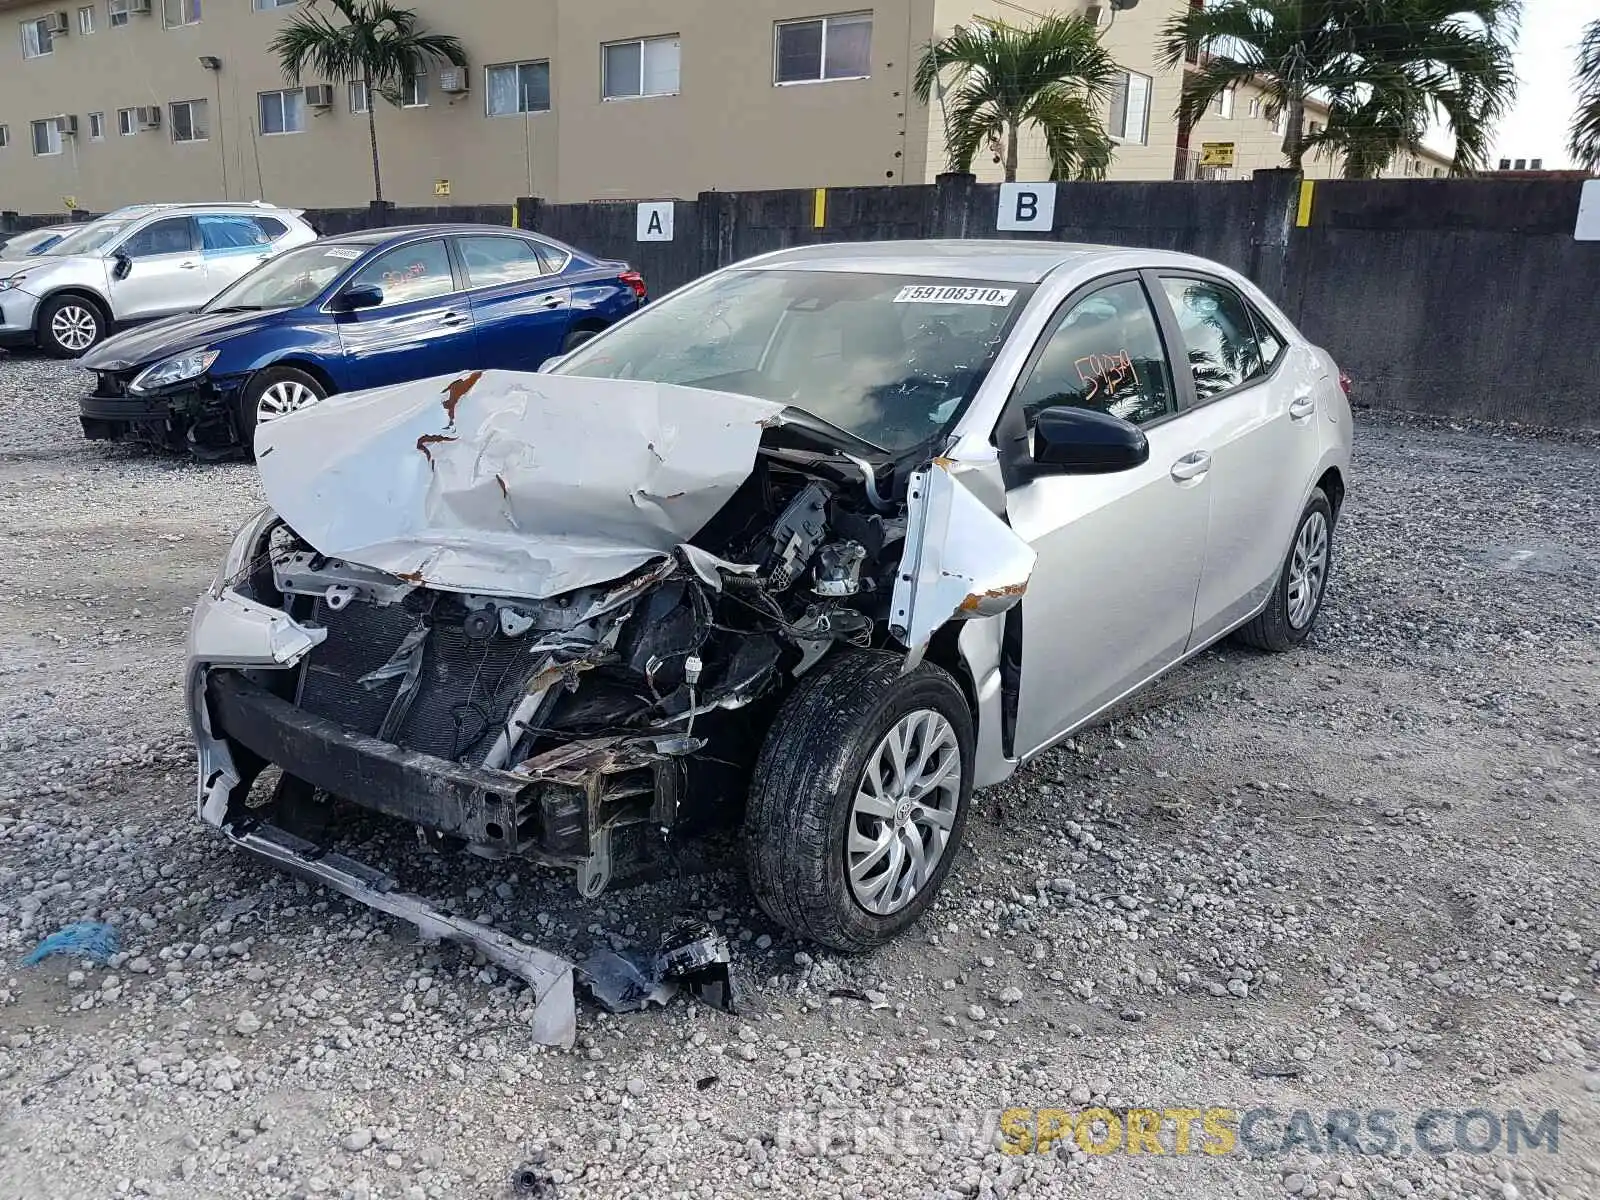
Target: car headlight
13, 281
246, 542
174, 370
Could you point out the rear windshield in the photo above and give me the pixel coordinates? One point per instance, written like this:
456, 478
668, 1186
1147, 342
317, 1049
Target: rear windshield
892, 359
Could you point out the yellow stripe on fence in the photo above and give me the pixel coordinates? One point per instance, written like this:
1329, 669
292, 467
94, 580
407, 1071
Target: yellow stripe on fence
1302, 216
819, 208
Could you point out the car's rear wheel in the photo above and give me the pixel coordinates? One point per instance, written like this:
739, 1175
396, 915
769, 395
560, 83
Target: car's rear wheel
1291, 612
576, 338
859, 799
70, 326
273, 393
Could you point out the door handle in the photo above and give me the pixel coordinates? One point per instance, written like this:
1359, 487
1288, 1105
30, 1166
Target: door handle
1191, 466
452, 320
1302, 407
189, 266
551, 302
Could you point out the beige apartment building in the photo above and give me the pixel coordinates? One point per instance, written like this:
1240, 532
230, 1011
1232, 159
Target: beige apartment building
109, 102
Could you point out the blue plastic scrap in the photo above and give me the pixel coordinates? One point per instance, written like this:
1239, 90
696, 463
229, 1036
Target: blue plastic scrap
93, 940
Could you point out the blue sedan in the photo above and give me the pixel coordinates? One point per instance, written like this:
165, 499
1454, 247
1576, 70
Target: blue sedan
358, 311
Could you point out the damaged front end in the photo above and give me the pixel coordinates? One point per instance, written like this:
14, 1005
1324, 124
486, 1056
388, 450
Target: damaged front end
559, 624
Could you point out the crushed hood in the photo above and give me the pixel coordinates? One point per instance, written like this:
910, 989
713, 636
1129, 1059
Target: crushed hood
509, 483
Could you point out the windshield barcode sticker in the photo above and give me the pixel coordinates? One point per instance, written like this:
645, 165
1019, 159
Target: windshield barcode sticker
930, 294
341, 252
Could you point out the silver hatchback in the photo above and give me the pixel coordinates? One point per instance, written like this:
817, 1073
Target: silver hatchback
137, 264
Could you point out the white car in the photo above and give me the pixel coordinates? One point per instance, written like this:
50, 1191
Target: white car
136, 264
835, 536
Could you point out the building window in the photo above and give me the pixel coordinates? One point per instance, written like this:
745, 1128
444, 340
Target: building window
1314, 128
1280, 121
648, 67
86, 20
117, 12
1128, 118
360, 96
180, 12
188, 120
46, 137
5, 136
283, 112
518, 88
1222, 104
97, 127
823, 48
269, 5
127, 122
414, 91
1255, 106
37, 40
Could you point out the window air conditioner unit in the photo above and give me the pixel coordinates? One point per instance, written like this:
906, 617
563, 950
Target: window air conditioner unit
67, 125
149, 116
1095, 15
56, 23
142, 7
320, 95
454, 81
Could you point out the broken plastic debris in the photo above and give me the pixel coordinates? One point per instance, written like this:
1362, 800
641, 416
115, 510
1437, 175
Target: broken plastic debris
93, 940
693, 956
533, 1182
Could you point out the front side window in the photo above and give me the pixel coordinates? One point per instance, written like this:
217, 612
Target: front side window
180, 12
414, 91
516, 88
890, 359
127, 122
648, 67
823, 48
283, 112
188, 118
1128, 116
496, 260
117, 12
416, 272
37, 40
360, 96
170, 235
1106, 354
1218, 337
86, 20
46, 137
97, 127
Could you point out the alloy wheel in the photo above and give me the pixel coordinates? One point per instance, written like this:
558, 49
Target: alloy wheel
282, 398
904, 808
74, 328
1308, 569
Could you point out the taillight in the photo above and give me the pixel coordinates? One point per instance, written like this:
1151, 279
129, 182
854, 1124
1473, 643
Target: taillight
1344, 383
635, 281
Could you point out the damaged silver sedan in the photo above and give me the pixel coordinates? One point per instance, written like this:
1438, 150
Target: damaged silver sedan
822, 542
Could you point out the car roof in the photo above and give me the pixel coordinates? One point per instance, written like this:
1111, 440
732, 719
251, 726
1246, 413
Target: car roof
956, 258
401, 233
130, 211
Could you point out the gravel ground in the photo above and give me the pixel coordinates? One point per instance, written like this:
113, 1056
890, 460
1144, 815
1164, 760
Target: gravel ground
1358, 876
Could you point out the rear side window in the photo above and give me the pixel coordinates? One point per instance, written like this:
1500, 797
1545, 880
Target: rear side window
1219, 339
272, 227
416, 272
552, 258
1271, 342
1106, 354
231, 233
170, 235
497, 260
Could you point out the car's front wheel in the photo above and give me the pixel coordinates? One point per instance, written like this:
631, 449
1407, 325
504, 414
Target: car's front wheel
273, 393
859, 799
1291, 612
70, 326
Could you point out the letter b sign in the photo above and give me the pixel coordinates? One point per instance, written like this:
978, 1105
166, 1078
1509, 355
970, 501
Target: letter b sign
1030, 206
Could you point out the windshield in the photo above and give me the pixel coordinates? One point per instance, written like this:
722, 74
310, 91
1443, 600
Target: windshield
91, 239
293, 278
891, 359
27, 245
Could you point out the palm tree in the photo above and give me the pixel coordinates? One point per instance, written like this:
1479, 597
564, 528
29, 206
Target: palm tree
378, 45
1585, 143
1384, 69
1053, 74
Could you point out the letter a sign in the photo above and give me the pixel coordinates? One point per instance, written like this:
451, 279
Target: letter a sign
655, 221
1029, 206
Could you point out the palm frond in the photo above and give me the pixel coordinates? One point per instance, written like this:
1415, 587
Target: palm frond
1585, 138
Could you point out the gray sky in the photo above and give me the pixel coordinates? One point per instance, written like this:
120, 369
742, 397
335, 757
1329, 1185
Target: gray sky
1547, 52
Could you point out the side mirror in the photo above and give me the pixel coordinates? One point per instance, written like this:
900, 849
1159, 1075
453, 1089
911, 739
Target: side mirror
1081, 441
121, 265
357, 297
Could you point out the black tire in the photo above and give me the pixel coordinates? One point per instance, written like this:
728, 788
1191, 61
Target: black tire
74, 319
805, 780
576, 338
1271, 629
250, 396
